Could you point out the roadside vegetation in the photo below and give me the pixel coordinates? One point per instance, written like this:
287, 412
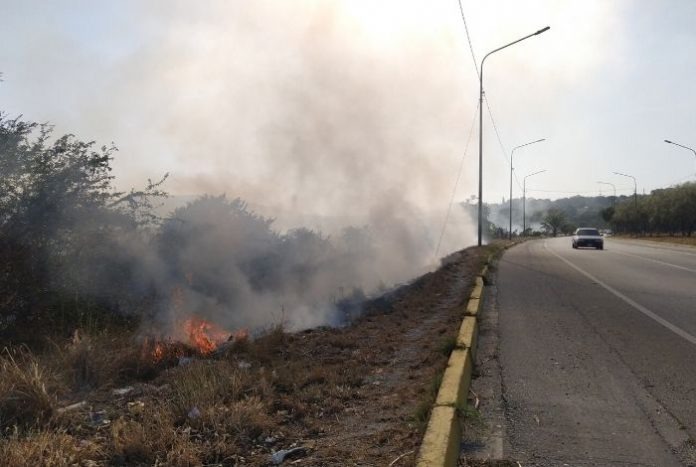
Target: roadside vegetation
667, 212
90, 277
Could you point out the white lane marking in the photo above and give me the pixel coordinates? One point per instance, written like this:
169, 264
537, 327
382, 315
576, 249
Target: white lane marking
675, 329
654, 261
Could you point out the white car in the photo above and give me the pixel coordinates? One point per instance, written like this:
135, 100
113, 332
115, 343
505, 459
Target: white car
588, 236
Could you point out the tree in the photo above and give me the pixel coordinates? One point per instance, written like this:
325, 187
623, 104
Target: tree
63, 227
607, 214
553, 221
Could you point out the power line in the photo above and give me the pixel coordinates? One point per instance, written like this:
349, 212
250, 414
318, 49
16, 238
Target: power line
500, 142
468, 38
575, 192
456, 183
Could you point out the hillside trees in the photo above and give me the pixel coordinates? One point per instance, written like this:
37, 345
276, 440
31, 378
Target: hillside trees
665, 211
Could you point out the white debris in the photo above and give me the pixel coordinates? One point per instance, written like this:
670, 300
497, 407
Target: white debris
194, 413
77, 405
122, 391
279, 457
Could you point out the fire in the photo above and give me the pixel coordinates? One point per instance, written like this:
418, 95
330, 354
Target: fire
158, 352
203, 335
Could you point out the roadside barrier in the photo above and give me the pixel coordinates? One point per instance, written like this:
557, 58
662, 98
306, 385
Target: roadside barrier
441, 442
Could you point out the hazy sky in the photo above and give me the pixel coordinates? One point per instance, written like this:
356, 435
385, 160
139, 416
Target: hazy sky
318, 106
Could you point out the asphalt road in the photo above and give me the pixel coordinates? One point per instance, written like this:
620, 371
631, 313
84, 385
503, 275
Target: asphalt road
597, 353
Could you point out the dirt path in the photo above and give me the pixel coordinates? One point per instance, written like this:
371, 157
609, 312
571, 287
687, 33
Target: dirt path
401, 349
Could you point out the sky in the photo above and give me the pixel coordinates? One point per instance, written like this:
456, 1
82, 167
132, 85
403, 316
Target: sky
354, 108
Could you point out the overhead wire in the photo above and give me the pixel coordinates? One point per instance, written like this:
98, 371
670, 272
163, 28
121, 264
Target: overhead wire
456, 184
468, 141
478, 74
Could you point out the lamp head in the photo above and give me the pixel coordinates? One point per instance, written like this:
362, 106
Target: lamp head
542, 30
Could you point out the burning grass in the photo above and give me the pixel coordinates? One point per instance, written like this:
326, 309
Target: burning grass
355, 395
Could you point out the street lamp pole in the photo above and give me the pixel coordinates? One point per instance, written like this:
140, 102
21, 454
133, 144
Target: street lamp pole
613, 186
635, 188
524, 200
682, 146
480, 187
511, 169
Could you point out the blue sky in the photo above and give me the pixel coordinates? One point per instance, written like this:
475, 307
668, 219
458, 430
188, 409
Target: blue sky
324, 106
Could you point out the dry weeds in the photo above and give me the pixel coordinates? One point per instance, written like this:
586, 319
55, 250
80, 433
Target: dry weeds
357, 395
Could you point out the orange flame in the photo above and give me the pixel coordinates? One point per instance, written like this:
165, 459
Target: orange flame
204, 336
158, 352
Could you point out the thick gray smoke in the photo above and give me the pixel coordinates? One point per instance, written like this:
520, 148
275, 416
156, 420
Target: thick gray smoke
344, 122
318, 123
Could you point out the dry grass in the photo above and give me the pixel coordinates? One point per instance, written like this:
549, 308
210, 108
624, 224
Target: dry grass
353, 391
90, 361
47, 448
25, 399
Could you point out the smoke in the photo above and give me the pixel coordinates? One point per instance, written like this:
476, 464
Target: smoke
342, 124
317, 121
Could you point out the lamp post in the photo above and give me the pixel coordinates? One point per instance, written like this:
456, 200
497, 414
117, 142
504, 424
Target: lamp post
635, 188
524, 200
480, 187
682, 146
613, 186
511, 169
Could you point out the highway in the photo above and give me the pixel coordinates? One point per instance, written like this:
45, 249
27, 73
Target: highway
597, 353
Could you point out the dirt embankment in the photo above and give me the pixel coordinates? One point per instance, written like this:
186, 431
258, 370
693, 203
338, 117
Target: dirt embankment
358, 395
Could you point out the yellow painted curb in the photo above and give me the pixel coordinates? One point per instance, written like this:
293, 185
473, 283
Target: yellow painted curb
468, 334
442, 438
455, 381
473, 307
484, 272
478, 288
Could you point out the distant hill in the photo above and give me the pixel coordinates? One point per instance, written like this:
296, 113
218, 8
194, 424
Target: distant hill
580, 211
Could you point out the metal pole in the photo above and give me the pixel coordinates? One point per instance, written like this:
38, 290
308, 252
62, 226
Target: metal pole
480, 190
512, 154
635, 188
524, 207
685, 147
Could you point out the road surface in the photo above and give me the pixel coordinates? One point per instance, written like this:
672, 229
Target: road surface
597, 353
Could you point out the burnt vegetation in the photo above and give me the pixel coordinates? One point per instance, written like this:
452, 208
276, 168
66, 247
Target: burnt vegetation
93, 285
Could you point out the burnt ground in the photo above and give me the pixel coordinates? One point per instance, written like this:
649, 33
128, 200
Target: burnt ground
357, 395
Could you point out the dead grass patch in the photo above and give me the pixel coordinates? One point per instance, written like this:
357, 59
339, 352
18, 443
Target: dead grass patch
153, 440
48, 448
25, 396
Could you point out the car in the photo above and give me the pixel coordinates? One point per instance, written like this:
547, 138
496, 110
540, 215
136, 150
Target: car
588, 236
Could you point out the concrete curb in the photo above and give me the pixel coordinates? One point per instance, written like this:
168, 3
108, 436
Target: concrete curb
441, 442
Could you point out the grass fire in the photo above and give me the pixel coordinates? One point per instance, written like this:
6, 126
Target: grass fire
273, 294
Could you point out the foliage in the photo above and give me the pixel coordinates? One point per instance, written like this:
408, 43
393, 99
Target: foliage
554, 220
62, 226
664, 211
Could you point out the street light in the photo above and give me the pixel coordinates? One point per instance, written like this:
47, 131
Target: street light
635, 187
613, 186
480, 190
511, 168
681, 146
524, 200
